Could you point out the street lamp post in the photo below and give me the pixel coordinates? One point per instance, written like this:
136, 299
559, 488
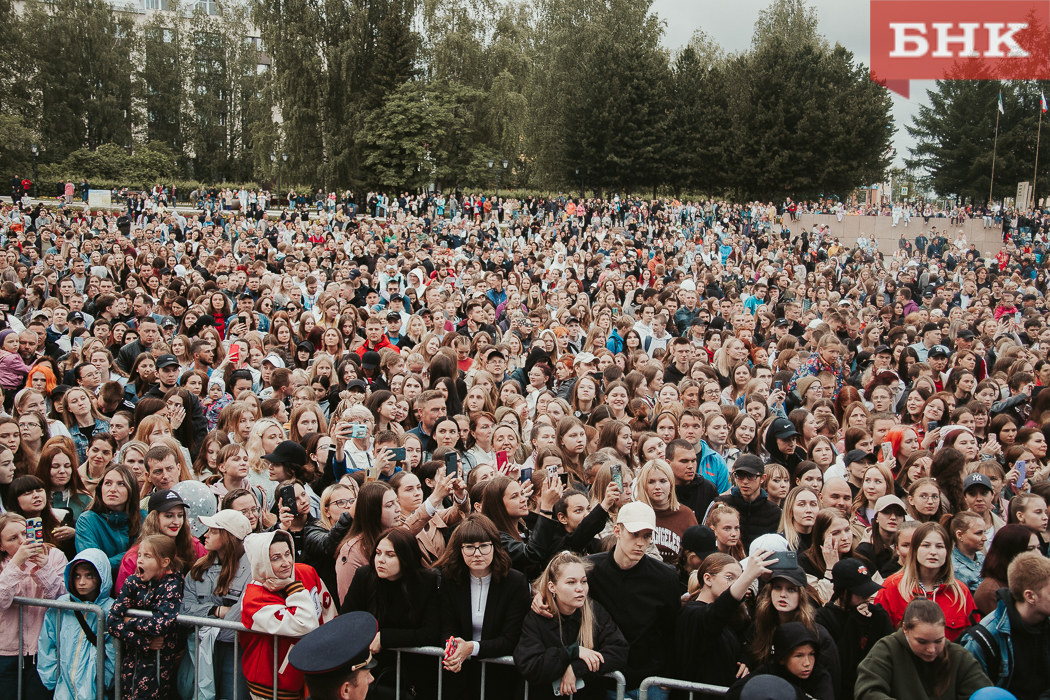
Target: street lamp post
35, 151
284, 159
492, 167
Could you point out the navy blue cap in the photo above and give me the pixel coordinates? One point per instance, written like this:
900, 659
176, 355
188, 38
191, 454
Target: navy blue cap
339, 645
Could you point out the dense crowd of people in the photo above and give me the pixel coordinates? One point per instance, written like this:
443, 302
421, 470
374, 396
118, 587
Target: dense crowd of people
594, 438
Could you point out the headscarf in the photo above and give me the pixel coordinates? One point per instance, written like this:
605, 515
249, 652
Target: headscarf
257, 547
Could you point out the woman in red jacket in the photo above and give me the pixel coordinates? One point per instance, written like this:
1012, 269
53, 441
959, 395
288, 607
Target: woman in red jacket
928, 573
283, 598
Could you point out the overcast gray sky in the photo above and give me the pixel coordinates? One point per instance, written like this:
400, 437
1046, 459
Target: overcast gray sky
731, 23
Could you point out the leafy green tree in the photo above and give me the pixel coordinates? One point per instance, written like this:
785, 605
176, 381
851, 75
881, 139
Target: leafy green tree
955, 138
90, 104
162, 77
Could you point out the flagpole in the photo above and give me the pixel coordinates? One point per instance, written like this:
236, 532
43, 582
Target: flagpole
995, 145
1035, 174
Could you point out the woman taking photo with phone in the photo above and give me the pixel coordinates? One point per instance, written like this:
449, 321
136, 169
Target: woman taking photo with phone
567, 654
483, 604
711, 628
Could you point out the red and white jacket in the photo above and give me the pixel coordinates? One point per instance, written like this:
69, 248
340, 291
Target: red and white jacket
290, 613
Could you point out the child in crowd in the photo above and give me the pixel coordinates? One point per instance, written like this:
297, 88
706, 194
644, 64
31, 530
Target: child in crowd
156, 586
66, 655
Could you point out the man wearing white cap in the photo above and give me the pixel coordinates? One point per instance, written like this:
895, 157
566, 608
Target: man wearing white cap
641, 594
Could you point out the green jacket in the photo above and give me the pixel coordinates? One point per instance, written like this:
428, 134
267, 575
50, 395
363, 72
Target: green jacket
888, 673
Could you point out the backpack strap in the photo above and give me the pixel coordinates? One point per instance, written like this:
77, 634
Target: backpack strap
92, 639
989, 647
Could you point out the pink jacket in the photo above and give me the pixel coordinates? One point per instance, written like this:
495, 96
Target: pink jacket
13, 371
28, 581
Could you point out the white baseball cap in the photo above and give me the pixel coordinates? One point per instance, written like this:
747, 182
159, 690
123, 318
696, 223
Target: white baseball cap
637, 516
232, 521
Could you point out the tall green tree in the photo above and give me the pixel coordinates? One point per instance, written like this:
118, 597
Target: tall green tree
162, 77
81, 76
955, 138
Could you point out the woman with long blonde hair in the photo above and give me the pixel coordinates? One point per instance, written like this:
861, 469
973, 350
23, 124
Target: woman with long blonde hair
582, 623
655, 487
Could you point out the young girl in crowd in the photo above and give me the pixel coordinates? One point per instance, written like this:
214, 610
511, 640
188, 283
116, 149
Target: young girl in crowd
567, 654
214, 587
66, 656
156, 586
31, 570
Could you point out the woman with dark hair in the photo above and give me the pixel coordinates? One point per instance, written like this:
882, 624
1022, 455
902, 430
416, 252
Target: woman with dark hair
453, 405
787, 598
112, 520
1009, 541
29, 498
919, 662
402, 594
947, 470
57, 468
141, 377
506, 504
484, 601
178, 406
33, 432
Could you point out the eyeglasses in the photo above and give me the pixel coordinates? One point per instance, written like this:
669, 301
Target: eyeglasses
249, 512
745, 476
472, 549
343, 503
928, 496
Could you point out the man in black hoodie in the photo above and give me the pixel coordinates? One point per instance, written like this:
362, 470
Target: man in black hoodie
758, 516
642, 594
692, 490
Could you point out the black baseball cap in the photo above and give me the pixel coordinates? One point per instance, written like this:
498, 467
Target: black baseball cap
700, 540
287, 452
164, 500
854, 575
782, 429
750, 464
939, 351
796, 576
167, 361
371, 359
858, 456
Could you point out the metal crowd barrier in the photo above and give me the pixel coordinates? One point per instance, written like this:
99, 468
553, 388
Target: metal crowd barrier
198, 622
621, 682
674, 684
100, 646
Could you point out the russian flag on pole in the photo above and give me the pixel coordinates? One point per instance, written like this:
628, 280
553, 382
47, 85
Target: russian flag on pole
1042, 102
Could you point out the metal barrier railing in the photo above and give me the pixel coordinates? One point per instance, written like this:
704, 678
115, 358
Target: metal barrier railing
621, 682
675, 684
198, 622
100, 641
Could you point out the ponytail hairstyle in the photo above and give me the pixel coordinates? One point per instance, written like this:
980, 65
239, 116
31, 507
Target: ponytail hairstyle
926, 612
715, 515
162, 547
548, 580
